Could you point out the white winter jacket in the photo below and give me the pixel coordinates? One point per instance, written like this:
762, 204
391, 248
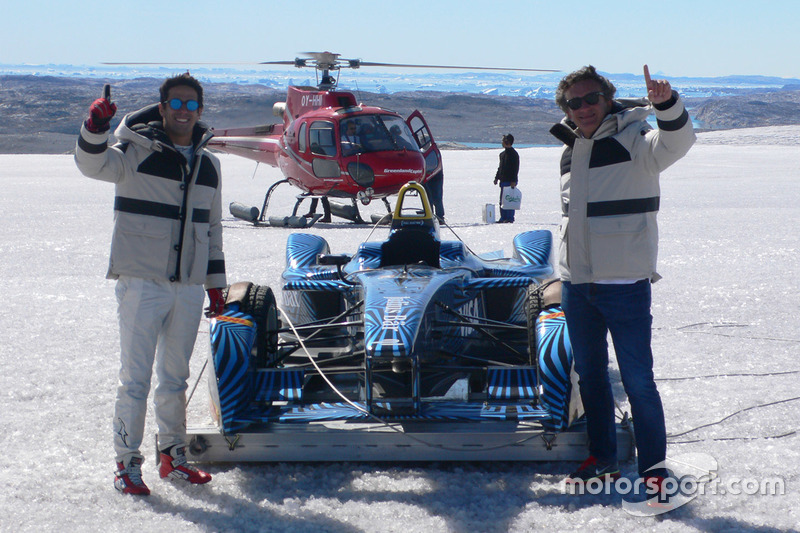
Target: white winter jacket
610, 190
167, 215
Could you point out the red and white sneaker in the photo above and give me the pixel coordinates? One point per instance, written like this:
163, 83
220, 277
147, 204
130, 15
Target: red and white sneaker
128, 478
175, 466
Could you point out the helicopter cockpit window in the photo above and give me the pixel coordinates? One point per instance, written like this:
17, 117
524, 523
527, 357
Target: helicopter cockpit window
375, 133
401, 135
321, 138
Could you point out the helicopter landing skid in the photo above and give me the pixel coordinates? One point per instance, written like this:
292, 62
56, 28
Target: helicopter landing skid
347, 212
383, 220
252, 214
294, 221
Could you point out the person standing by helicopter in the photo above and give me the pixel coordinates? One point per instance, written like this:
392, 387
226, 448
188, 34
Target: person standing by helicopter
326, 209
166, 244
434, 188
507, 175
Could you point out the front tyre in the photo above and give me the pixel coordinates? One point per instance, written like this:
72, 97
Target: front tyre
262, 305
259, 302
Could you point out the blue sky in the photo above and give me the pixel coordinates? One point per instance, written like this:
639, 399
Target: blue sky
676, 38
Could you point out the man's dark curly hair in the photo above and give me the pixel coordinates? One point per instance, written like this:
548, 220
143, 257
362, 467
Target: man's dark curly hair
586, 73
181, 79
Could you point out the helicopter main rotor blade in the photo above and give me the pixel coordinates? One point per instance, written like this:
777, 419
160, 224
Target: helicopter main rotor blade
290, 63
186, 63
373, 64
334, 62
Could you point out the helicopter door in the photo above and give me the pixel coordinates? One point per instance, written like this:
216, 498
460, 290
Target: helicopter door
322, 141
422, 134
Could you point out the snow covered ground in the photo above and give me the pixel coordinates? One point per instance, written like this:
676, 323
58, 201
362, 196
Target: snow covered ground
726, 320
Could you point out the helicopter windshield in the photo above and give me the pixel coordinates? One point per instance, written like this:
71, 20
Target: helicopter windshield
375, 133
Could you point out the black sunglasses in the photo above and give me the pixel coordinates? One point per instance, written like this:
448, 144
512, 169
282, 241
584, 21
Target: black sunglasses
177, 103
590, 99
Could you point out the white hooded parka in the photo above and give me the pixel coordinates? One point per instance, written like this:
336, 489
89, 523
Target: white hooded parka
610, 191
167, 215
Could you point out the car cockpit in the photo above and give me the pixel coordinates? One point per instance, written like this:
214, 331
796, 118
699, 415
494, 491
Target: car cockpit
414, 237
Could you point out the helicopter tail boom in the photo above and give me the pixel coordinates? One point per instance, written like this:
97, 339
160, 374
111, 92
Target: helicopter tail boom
259, 143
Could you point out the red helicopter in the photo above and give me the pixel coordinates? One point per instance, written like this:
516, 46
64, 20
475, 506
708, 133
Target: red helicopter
330, 145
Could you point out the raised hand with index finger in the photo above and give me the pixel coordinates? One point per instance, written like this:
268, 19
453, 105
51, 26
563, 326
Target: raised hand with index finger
101, 112
658, 91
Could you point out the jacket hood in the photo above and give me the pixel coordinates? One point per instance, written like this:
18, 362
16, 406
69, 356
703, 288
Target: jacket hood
145, 127
625, 112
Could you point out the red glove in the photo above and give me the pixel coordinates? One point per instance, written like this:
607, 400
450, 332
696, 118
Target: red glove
216, 303
100, 113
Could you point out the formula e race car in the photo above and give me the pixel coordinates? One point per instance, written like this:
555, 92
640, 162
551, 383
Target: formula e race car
413, 349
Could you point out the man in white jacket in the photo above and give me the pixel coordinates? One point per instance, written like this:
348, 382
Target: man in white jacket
607, 255
166, 245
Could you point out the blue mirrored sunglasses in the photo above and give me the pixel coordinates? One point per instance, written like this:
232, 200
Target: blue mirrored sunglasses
177, 103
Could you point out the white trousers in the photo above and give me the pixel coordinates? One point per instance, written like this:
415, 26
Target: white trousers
158, 322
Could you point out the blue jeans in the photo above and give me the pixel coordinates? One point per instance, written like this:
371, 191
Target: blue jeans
434, 187
505, 214
592, 310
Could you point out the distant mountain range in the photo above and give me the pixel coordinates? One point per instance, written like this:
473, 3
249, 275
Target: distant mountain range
41, 108
393, 80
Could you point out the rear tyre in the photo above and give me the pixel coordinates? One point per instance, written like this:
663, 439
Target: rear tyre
532, 310
540, 297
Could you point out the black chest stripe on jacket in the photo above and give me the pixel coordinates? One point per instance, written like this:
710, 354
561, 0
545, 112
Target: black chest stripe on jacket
162, 165
608, 151
622, 207
208, 174
144, 207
